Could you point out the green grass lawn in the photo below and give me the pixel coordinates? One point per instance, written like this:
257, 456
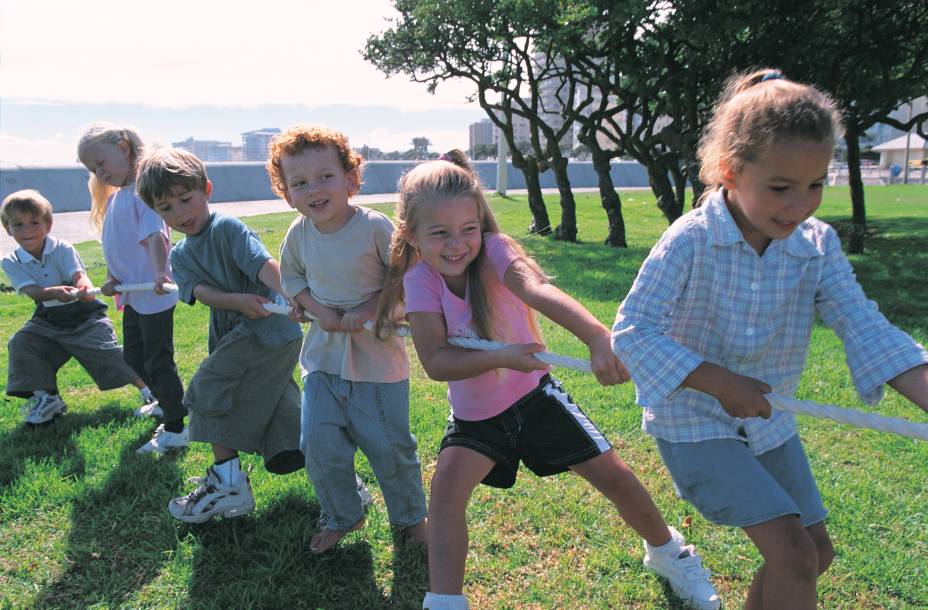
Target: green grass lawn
83, 520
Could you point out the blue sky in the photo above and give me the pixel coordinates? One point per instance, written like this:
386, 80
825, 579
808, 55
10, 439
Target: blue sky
206, 69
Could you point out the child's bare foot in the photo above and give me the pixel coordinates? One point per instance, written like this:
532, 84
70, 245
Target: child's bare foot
418, 533
326, 538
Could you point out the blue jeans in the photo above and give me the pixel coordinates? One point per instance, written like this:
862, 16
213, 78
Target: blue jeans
340, 416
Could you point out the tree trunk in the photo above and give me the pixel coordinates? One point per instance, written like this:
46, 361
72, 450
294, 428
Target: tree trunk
855, 243
567, 230
541, 224
610, 200
663, 190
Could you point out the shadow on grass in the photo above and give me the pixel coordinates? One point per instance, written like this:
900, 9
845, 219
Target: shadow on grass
53, 440
262, 561
118, 540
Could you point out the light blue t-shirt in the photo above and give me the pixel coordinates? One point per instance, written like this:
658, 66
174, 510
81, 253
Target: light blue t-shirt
227, 255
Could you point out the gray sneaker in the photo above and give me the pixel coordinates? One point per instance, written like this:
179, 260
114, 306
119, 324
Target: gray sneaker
212, 498
682, 567
163, 441
42, 408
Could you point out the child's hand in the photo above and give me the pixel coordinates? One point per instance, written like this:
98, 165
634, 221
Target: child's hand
297, 313
520, 357
330, 319
744, 397
353, 320
109, 287
252, 305
160, 281
85, 295
65, 294
607, 367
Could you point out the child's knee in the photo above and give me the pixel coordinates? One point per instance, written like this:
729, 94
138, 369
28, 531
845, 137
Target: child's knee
796, 552
825, 550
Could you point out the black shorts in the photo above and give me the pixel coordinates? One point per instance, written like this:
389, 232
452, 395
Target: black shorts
544, 429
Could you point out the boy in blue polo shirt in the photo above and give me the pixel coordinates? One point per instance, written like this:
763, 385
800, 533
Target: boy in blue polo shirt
68, 321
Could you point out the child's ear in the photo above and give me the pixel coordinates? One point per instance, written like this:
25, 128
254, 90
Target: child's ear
208, 189
124, 148
354, 182
728, 176
408, 237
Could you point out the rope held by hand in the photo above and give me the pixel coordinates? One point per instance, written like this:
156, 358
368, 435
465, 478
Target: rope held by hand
852, 417
279, 308
144, 287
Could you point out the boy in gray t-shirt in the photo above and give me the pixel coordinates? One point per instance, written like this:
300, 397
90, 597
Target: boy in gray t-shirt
242, 397
68, 321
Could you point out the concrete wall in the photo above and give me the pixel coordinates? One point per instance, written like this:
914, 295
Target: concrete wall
66, 186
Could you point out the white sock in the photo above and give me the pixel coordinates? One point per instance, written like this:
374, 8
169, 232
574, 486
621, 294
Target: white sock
672, 546
147, 396
437, 601
229, 472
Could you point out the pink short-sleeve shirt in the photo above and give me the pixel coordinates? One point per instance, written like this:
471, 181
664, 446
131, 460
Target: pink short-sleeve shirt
492, 392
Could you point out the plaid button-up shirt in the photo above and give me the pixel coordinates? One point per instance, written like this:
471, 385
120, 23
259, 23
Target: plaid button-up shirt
704, 294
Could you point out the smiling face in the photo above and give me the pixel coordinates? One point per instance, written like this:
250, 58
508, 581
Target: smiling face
29, 231
110, 163
769, 198
185, 210
318, 187
448, 237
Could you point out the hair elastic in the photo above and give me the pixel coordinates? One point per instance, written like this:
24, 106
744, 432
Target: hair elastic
444, 157
772, 75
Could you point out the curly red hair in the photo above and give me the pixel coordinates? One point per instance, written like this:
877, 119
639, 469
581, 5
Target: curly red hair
301, 137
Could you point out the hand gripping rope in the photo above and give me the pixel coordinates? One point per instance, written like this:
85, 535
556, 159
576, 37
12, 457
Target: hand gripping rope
859, 419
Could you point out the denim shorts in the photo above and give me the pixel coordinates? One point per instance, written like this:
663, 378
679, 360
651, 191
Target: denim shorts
544, 429
731, 486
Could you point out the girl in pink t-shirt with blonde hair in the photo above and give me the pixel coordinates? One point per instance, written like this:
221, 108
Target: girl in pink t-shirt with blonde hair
459, 276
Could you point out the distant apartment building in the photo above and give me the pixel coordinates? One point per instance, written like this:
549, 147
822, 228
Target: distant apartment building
880, 133
481, 133
211, 150
255, 143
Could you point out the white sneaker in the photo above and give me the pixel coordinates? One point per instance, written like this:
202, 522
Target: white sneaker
163, 441
682, 567
42, 407
151, 408
212, 498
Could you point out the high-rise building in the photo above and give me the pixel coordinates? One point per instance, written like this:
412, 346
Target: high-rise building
482, 133
255, 143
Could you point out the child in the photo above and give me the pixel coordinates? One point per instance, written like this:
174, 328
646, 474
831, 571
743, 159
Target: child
242, 397
67, 322
721, 314
135, 246
462, 277
355, 386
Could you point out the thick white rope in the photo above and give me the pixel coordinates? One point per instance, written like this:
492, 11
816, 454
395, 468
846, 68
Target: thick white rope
279, 308
859, 419
145, 287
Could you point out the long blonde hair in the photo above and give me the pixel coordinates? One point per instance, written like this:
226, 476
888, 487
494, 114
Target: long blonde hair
754, 109
449, 178
100, 192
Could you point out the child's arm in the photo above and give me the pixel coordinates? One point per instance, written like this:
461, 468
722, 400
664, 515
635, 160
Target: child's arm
250, 305
52, 293
83, 285
328, 318
546, 298
158, 249
913, 384
740, 396
444, 362
353, 319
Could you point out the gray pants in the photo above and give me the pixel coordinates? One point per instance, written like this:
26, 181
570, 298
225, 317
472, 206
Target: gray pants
39, 349
338, 417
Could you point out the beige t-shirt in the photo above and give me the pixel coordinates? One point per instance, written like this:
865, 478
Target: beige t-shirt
343, 270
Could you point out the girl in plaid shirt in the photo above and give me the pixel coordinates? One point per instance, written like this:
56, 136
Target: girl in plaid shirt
721, 314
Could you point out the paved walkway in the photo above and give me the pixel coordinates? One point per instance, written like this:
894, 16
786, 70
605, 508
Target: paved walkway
74, 227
